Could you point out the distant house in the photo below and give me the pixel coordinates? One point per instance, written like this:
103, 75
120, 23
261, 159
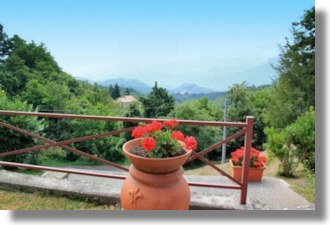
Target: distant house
126, 99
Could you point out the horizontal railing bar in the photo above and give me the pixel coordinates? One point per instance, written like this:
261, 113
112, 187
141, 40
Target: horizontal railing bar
55, 169
123, 119
197, 184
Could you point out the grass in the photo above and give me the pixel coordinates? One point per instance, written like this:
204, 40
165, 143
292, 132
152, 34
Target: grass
29, 172
14, 200
58, 162
61, 162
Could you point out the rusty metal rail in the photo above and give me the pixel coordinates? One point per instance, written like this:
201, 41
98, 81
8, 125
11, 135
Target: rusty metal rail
247, 130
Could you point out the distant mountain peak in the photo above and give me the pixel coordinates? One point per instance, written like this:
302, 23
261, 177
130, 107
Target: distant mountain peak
191, 88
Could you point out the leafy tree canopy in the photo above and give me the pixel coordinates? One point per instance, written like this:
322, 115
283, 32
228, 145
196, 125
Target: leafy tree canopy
294, 91
158, 103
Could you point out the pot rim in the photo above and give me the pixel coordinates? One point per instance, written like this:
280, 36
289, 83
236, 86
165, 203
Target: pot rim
234, 166
188, 152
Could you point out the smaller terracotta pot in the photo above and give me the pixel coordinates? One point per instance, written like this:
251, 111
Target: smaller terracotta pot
255, 174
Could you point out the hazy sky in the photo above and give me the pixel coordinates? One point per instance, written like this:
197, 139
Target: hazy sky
139, 38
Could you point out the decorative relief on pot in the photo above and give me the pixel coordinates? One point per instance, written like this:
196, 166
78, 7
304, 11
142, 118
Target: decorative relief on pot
135, 195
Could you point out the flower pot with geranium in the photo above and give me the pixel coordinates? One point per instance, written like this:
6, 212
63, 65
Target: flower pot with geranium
256, 167
157, 154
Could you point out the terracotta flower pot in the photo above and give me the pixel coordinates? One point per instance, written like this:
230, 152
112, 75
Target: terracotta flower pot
154, 184
160, 165
255, 174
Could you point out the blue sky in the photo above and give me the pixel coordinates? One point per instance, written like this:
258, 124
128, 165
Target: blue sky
150, 39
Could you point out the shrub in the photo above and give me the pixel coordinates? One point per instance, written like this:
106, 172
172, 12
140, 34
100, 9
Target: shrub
278, 145
301, 134
294, 144
11, 140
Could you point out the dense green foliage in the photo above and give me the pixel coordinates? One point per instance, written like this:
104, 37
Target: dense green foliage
158, 103
294, 90
291, 131
29, 73
294, 144
10, 140
114, 91
200, 109
180, 98
246, 101
4, 44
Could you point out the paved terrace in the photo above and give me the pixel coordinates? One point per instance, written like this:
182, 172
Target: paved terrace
270, 194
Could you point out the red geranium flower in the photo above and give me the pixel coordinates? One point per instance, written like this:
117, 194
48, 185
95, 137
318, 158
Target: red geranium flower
178, 135
159, 140
171, 123
191, 143
155, 126
257, 164
262, 159
148, 144
256, 159
254, 152
139, 132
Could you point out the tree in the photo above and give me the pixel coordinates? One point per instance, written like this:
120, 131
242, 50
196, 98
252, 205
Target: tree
134, 110
239, 98
290, 134
127, 92
13, 76
34, 56
240, 107
4, 44
294, 91
157, 103
116, 92
110, 89
259, 99
34, 93
27, 61
200, 109
56, 96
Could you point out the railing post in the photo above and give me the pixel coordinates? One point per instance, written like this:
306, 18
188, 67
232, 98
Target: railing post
247, 154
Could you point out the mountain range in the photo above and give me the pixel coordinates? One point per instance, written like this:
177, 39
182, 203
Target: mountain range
212, 80
187, 88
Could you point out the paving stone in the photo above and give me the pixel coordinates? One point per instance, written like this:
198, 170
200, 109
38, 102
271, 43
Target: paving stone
58, 175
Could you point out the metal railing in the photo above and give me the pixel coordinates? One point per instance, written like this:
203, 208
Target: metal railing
246, 129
